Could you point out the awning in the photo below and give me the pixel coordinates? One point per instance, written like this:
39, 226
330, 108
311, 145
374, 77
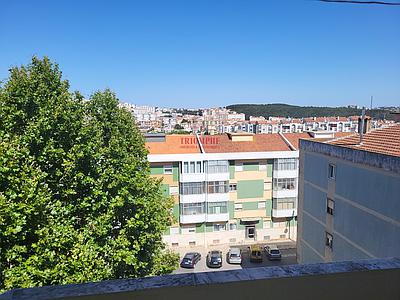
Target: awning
249, 221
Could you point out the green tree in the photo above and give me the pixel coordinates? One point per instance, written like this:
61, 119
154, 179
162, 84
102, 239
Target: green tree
77, 202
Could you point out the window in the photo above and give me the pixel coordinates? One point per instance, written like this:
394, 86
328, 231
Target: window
233, 187
192, 243
238, 206
285, 164
192, 188
284, 203
232, 226
267, 186
329, 240
188, 229
330, 205
219, 227
285, 184
168, 169
332, 171
217, 187
192, 168
198, 167
217, 166
261, 204
173, 190
217, 207
239, 167
279, 224
192, 208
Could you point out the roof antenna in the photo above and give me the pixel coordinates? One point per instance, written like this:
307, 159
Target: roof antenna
361, 130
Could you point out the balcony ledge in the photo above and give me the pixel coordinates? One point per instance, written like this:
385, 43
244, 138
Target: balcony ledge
350, 280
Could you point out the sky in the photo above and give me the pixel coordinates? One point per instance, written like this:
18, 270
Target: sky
198, 53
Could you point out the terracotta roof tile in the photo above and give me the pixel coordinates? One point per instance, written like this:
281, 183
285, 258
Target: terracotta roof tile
175, 144
183, 144
260, 143
385, 140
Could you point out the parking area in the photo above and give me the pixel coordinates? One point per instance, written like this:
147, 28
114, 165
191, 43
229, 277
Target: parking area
288, 258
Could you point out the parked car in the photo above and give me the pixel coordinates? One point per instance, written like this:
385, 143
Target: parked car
256, 253
273, 252
214, 259
234, 256
190, 259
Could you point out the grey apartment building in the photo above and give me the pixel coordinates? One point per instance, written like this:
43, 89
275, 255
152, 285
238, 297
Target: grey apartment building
349, 197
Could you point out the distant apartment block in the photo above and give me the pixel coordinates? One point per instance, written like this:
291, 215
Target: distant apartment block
349, 197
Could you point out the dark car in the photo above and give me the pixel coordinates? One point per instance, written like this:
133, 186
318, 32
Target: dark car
190, 259
214, 259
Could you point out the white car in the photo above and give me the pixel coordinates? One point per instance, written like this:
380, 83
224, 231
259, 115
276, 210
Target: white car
234, 256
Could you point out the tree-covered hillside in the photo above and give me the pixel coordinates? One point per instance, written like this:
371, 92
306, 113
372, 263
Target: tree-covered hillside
285, 110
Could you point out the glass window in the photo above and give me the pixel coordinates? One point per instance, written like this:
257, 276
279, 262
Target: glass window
284, 203
267, 186
330, 205
191, 188
332, 171
233, 187
238, 206
328, 240
232, 226
192, 208
285, 164
168, 169
217, 166
192, 167
185, 167
219, 227
217, 187
198, 167
217, 207
285, 184
261, 204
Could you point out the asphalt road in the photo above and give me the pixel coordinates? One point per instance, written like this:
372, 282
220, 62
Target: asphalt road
288, 258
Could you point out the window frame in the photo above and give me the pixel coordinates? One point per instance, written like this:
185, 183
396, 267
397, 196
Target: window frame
332, 175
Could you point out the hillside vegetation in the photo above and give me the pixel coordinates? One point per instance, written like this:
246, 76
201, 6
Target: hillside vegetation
285, 110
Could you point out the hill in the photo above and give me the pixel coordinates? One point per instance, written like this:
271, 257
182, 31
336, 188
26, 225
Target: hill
293, 111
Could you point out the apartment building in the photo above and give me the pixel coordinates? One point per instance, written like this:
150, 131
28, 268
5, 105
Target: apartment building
349, 197
232, 188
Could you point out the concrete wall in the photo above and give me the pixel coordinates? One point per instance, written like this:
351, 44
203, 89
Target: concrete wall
375, 279
366, 218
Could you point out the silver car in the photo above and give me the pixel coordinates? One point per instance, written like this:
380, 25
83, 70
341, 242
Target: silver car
234, 256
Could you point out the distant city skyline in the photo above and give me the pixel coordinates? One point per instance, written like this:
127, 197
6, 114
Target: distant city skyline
198, 54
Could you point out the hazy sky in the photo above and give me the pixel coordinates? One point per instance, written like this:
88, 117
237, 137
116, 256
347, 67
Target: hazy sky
212, 53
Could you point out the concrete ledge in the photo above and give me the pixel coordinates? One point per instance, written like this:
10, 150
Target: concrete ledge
366, 279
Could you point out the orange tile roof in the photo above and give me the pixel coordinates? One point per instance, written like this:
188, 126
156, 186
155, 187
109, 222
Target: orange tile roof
294, 138
175, 144
385, 140
260, 143
184, 144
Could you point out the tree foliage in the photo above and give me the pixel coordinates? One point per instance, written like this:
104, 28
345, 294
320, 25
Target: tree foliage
285, 110
77, 202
